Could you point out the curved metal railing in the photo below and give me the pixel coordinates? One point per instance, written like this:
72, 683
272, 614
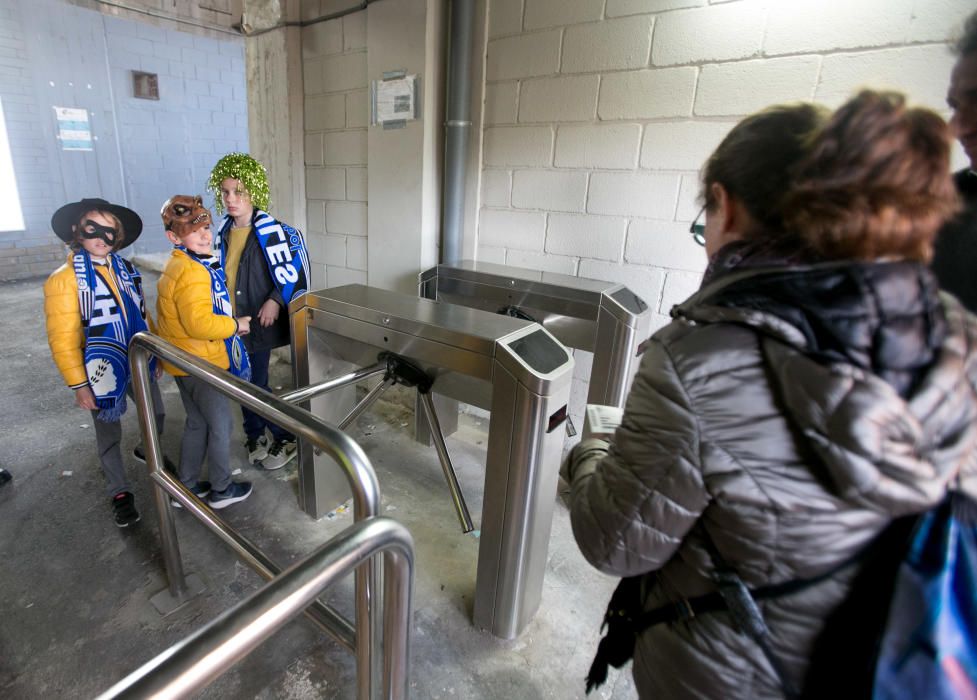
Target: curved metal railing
363, 640
203, 656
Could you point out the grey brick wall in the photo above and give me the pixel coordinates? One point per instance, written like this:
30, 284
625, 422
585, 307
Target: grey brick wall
56, 54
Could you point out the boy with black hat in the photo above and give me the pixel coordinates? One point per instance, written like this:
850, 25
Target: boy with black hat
94, 304
194, 313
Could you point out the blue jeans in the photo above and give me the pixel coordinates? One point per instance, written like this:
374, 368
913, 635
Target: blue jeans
254, 425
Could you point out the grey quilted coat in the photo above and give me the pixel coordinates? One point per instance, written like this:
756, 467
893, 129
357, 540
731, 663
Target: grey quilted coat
792, 413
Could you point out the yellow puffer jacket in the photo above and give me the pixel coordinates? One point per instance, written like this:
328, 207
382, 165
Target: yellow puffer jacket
186, 313
65, 334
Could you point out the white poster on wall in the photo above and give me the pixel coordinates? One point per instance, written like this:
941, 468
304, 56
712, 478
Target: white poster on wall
73, 129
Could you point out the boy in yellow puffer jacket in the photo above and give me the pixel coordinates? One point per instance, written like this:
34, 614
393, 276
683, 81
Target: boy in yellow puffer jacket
94, 305
194, 312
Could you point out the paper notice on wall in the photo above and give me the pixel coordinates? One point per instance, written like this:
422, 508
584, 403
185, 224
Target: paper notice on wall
395, 99
74, 131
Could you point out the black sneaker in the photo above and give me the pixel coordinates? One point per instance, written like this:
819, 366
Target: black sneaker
125, 510
280, 453
4, 477
237, 491
201, 491
140, 456
257, 449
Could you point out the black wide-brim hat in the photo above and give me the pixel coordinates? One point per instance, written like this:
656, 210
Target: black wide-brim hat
68, 215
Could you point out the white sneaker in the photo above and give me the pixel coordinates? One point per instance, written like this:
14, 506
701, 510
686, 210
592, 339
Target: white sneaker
257, 449
280, 453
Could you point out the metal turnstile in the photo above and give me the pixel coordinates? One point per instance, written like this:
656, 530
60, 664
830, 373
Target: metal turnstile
605, 318
512, 367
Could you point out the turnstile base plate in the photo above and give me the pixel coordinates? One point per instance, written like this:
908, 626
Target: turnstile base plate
165, 603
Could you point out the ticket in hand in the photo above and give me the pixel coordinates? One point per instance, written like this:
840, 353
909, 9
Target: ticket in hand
601, 421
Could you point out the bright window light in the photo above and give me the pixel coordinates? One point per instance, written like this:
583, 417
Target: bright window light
11, 217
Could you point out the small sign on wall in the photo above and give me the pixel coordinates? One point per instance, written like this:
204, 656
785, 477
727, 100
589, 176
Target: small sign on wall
74, 131
394, 100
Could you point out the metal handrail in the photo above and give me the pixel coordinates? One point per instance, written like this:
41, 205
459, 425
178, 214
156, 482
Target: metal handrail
343, 449
203, 656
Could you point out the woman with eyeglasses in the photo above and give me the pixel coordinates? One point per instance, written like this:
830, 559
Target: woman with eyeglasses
787, 414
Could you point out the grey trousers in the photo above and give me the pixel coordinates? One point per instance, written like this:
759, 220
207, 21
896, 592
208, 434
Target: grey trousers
108, 438
207, 431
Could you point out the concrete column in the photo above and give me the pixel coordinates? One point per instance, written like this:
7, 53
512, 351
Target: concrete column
404, 165
273, 62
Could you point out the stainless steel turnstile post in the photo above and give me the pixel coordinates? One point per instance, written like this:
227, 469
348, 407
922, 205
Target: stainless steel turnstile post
512, 367
604, 318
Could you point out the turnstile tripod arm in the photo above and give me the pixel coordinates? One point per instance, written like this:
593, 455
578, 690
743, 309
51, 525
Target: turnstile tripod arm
461, 508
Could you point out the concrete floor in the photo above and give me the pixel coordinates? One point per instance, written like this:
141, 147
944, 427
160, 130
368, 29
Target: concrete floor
75, 615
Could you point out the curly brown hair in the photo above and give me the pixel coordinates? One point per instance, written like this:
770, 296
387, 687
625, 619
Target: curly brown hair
875, 183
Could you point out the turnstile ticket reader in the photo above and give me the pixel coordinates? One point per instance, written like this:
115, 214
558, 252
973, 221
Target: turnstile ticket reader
605, 318
512, 367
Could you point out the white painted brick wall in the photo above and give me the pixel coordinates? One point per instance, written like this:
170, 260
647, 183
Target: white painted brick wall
336, 121
357, 109
647, 94
354, 31
552, 190
500, 103
665, 244
338, 276
523, 56
356, 253
714, 33
617, 8
646, 282
523, 230
681, 145
520, 145
916, 70
325, 112
803, 26
325, 183
496, 185
613, 44
612, 146
505, 17
343, 72
335, 250
629, 97
545, 13
491, 254
633, 194
679, 286
539, 261
346, 217
745, 87
599, 237
356, 184
565, 99
344, 147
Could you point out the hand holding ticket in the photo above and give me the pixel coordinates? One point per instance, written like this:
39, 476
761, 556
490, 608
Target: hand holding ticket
601, 421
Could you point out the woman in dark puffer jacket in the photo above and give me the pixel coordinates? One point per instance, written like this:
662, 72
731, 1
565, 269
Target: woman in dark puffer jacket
817, 387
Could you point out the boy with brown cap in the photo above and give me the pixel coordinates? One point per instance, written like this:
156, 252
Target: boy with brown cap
94, 305
194, 313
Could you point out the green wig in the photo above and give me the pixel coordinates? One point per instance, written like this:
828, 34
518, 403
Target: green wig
250, 172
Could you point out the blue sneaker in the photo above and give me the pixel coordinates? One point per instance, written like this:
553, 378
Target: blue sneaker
237, 491
201, 491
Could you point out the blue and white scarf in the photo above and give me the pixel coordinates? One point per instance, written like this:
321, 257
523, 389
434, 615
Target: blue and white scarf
109, 328
240, 366
284, 249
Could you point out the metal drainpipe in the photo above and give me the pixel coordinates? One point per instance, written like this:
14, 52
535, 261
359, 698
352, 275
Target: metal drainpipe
456, 129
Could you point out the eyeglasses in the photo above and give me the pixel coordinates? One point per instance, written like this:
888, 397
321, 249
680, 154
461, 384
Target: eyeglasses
698, 230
